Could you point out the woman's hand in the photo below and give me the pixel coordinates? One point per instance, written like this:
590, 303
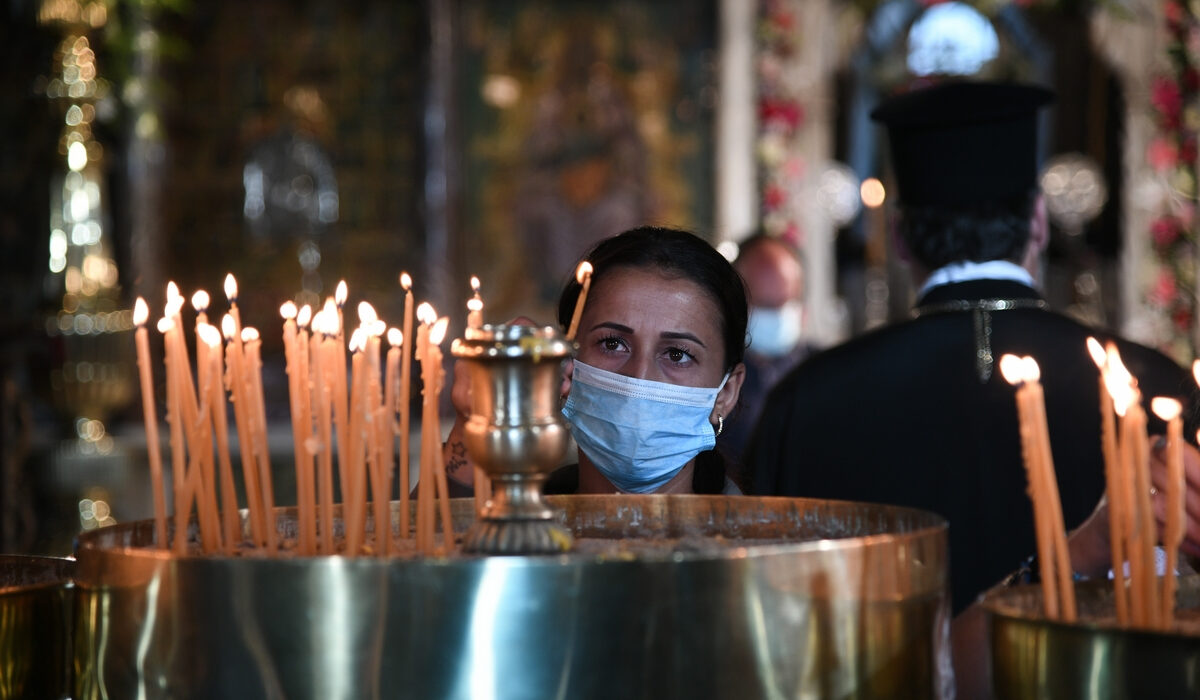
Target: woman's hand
459, 465
1191, 493
1089, 545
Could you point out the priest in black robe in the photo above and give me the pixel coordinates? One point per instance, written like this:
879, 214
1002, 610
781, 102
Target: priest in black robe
916, 413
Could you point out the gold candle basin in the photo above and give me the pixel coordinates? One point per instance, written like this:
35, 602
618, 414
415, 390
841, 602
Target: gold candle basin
1033, 657
664, 597
516, 433
35, 627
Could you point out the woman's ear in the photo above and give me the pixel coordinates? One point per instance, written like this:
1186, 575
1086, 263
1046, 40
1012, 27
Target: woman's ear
728, 396
568, 372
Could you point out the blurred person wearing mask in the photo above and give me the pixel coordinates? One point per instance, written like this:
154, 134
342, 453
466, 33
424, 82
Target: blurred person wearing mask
774, 275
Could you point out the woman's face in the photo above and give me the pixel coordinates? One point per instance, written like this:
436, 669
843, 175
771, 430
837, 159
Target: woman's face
643, 323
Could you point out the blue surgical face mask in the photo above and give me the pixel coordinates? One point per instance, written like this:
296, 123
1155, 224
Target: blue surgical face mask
637, 432
774, 332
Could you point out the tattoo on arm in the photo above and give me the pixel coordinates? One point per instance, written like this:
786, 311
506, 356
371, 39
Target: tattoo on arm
457, 465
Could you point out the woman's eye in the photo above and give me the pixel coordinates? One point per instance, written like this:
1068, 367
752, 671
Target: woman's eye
678, 355
611, 344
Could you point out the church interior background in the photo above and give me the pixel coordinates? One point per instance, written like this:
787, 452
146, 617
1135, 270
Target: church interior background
296, 144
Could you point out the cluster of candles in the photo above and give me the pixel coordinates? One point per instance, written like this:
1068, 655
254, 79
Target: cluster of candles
1142, 598
366, 413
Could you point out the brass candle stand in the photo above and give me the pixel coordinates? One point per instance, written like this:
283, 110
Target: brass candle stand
516, 433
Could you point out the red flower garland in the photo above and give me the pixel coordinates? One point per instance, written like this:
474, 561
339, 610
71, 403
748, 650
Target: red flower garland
1172, 154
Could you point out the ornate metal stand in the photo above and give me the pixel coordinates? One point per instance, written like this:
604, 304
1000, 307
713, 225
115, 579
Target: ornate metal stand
516, 433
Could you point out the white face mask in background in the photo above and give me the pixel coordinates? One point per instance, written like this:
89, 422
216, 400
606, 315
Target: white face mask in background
638, 433
774, 332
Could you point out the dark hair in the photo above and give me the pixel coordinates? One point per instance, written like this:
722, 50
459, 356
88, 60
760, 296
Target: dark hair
678, 253
939, 235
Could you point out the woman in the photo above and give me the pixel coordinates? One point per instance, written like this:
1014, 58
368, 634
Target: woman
658, 370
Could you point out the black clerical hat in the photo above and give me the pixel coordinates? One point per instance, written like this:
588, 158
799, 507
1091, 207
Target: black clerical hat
960, 143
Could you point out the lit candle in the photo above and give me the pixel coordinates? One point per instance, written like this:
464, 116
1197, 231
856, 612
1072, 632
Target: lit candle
426, 479
1138, 519
1013, 371
1057, 587
475, 306
296, 388
198, 440
201, 415
305, 387
583, 275
353, 509
252, 375
166, 326
323, 327
378, 454
230, 521
402, 401
1169, 410
150, 416
336, 368
231, 293
1062, 564
1112, 477
436, 334
241, 415
391, 398
200, 304
392, 371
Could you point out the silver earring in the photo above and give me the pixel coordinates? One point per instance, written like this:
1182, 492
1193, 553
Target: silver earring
720, 423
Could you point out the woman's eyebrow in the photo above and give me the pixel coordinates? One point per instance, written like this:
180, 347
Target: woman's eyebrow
615, 326
681, 335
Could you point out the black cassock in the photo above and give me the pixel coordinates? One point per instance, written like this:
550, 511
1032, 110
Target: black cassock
901, 416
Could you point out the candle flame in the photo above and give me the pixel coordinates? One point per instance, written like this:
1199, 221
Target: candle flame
395, 337
376, 328
366, 313
209, 334
1122, 395
474, 304
318, 322
140, 312
174, 304
1033, 373
438, 332
288, 310
231, 288
330, 325
405, 281
1011, 368
200, 301
425, 313
305, 315
172, 290
249, 334
1166, 408
474, 284
1196, 370
583, 272
228, 327
1118, 381
341, 293
165, 324
357, 340
1096, 350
